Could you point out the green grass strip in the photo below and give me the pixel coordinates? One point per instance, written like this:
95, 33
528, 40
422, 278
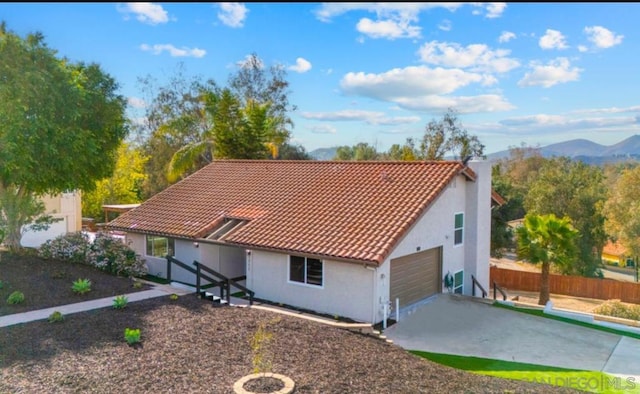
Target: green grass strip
540, 313
589, 381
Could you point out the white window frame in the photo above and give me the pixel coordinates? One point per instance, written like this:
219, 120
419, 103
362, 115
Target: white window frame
460, 285
294, 282
455, 229
146, 243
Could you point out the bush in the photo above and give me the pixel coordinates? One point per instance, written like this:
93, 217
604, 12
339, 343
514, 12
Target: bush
56, 317
81, 286
120, 302
616, 308
72, 247
173, 297
112, 255
132, 335
106, 253
17, 297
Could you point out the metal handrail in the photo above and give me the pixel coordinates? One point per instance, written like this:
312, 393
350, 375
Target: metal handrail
473, 287
496, 287
228, 281
172, 260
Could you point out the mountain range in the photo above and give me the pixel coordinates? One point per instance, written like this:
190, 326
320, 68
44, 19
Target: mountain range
578, 149
587, 151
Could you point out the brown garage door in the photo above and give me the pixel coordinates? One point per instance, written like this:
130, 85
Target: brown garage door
415, 276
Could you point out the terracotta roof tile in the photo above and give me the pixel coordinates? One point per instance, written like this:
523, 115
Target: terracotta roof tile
344, 210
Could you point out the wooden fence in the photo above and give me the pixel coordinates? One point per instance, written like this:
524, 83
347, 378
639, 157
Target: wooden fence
577, 286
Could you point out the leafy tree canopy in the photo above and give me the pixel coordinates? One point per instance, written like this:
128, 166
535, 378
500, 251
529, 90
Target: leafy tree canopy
61, 125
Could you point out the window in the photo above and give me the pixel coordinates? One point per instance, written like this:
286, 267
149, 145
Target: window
160, 246
458, 282
305, 270
458, 229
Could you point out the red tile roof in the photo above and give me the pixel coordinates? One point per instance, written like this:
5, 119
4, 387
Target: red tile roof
614, 249
342, 210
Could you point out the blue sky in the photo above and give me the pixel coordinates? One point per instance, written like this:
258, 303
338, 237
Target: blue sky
534, 73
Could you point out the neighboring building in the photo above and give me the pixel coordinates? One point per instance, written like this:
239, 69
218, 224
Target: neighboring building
345, 238
616, 254
67, 207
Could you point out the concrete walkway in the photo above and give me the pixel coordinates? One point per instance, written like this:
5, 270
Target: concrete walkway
41, 314
458, 325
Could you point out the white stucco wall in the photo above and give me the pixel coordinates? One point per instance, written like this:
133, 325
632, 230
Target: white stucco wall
64, 207
435, 228
347, 288
479, 232
227, 260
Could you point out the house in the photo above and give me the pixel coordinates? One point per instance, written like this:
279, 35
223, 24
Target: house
344, 238
616, 254
67, 209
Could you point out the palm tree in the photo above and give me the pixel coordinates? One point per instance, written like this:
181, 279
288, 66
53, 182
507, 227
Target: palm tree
548, 240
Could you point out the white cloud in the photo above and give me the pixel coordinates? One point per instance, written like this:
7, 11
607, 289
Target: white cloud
495, 10
556, 71
445, 25
553, 39
328, 11
148, 13
232, 14
136, 102
302, 66
611, 110
389, 29
544, 123
411, 81
248, 59
424, 89
345, 115
398, 20
602, 37
323, 129
463, 104
506, 36
370, 117
582, 48
173, 51
477, 57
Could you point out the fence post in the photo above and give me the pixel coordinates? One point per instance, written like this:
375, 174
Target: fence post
169, 268
397, 309
197, 279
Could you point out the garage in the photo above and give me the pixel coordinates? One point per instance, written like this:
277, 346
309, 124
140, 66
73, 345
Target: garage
416, 276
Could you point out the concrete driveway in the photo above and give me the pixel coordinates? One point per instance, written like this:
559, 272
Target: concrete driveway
459, 325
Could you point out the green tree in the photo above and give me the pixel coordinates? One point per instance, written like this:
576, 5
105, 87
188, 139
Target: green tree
359, 152
293, 152
623, 211
405, 152
124, 186
447, 136
548, 240
512, 178
574, 189
253, 83
175, 116
61, 125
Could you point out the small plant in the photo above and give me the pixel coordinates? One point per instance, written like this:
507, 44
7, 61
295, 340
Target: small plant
17, 297
120, 302
260, 346
616, 308
132, 335
56, 317
81, 286
137, 285
173, 297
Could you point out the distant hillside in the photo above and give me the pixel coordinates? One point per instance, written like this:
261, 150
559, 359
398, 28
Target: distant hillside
323, 153
587, 151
